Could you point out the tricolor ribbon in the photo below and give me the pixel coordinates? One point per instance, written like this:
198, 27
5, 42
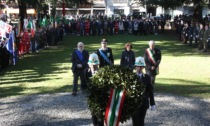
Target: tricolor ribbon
150, 54
152, 59
114, 107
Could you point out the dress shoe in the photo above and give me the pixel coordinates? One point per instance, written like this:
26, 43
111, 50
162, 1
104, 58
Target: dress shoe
74, 93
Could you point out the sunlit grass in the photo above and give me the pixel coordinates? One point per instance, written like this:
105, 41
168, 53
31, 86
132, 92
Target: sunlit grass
183, 70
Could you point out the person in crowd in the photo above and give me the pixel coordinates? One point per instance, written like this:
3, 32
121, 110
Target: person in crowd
206, 34
148, 97
191, 31
121, 27
93, 63
116, 26
128, 56
135, 27
196, 35
185, 33
4, 53
79, 63
200, 34
162, 24
152, 58
105, 54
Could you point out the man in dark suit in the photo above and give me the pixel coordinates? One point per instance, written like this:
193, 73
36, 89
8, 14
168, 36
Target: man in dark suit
105, 54
152, 57
79, 63
148, 97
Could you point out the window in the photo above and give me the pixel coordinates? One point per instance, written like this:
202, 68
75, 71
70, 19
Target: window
120, 1
119, 11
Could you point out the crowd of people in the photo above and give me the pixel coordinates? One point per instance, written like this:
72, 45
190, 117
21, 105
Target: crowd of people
194, 33
85, 66
33, 38
103, 26
27, 41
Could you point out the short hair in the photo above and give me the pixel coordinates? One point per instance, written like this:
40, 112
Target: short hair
80, 43
128, 44
151, 42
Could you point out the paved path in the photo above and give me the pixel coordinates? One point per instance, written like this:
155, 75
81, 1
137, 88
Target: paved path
63, 109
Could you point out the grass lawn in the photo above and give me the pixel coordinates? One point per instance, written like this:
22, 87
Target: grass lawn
183, 70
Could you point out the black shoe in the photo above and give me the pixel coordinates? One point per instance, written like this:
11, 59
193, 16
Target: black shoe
204, 51
74, 93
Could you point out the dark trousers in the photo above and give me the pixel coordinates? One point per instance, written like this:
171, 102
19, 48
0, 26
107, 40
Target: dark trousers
153, 79
97, 121
152, 76
139, 116
78, 74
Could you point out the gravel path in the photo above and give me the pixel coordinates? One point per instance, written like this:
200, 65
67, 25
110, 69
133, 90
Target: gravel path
63, 109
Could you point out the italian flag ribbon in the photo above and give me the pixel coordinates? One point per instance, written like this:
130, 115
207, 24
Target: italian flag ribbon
152, 59
150, 54
114, 107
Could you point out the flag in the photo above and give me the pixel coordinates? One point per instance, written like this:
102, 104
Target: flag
25, 23
44, 22
51, 19
11, 47
30, 25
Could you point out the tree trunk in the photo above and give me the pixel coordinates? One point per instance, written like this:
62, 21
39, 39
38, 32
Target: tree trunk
198, 11
22, 13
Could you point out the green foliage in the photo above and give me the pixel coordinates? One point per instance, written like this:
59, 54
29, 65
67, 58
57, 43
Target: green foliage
166, 3
118, 78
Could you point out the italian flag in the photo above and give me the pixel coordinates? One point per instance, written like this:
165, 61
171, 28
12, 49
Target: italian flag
114, 107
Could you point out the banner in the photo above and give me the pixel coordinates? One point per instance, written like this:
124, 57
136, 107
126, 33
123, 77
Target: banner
4, 28
25, 23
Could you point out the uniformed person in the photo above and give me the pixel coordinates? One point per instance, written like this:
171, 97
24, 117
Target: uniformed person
93, 63
105, 54
200, 34
148, 96
206, 34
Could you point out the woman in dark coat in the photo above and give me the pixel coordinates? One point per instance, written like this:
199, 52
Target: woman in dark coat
127, 57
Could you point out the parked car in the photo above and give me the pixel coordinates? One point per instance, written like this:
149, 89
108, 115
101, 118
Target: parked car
137, 15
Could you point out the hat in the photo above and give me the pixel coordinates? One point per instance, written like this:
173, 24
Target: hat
139, 61
104, 40
93, 59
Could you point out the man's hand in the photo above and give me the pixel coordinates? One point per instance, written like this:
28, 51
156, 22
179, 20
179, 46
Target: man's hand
153, 107
79, 65
152, 68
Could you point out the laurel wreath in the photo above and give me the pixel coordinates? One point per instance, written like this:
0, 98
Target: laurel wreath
114, 77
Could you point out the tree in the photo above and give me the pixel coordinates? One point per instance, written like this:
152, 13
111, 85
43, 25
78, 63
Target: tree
23, 5
197, 4
53, 4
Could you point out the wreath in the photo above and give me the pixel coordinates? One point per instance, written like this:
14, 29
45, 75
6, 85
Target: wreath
114, 77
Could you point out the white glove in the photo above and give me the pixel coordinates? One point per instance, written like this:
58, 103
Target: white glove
153, 107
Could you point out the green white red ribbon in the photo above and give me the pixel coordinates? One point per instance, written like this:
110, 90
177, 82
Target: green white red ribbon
152, 59
114, 107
